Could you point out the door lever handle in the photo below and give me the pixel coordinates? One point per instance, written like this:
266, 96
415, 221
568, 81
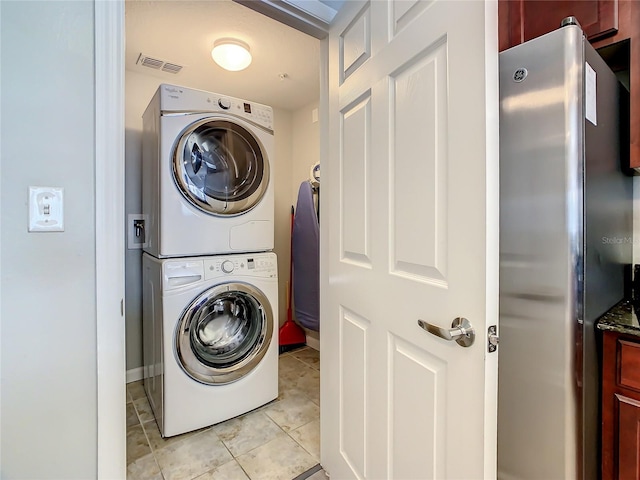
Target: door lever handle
461, 331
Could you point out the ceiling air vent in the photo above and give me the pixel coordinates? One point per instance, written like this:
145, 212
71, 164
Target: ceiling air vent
157, 64
171, 68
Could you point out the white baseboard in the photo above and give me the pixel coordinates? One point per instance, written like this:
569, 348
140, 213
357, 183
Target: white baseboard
134, 374
313, 342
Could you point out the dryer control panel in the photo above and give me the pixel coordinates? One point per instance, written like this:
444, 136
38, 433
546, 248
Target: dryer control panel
181, 99
262, 265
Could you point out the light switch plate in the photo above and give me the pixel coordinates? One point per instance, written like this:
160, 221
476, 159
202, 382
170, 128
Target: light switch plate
46, 209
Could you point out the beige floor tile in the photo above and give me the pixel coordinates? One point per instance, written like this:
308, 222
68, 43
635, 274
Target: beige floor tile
144, 468
228, 471
132, 416
309, 384
287, 389
157, 442
308, 436
143, 408
263, 451
308, 356
290, 368
247, 432
136, 390
280, 459
193, 456
293, 412
299, 372
137, 445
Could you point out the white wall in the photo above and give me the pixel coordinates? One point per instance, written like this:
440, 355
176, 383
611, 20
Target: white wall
48, 316
284, 165
139, 89
306, 145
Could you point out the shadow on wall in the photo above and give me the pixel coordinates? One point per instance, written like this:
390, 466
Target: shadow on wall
133, 257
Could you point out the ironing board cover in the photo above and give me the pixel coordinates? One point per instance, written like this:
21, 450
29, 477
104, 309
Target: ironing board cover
306, 260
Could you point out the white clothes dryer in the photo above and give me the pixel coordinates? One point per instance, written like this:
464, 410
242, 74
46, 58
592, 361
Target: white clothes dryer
207, 174
210, 344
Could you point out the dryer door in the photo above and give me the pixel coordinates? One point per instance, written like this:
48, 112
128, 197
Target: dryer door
224, 333
220, 167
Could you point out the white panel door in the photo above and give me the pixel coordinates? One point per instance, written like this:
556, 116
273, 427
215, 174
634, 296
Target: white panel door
410, 231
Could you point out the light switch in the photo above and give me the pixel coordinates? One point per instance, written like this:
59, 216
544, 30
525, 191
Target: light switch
46, 209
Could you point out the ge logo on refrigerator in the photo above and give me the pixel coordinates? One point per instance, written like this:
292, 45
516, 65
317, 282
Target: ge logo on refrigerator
520, 74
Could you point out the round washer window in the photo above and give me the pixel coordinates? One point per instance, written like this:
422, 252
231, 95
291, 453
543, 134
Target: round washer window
224, 333
220, 167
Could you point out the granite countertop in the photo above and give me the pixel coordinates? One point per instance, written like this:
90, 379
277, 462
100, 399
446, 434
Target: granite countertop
622, 318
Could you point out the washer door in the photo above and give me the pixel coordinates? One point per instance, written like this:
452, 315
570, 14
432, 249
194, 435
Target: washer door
224, 333
220, 167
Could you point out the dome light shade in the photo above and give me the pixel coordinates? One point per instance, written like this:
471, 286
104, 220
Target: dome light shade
231, 54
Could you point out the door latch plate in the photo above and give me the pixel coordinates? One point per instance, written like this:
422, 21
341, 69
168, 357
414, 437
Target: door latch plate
492, 339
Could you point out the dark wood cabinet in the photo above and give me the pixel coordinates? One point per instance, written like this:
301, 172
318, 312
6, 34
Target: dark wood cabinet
629, 31
527, 19
629, 446
605, 22
620, 407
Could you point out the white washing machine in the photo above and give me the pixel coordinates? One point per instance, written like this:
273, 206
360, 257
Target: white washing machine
210, 337
207, 174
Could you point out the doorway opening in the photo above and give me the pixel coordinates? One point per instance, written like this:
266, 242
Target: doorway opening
284, 75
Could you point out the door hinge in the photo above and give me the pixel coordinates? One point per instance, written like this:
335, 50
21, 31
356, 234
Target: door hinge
492, 339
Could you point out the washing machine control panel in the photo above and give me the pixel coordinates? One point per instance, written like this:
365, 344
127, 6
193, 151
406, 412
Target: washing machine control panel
227, 266
255, 265
224, 103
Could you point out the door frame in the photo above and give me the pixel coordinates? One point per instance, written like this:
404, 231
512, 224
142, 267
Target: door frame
110, 214
109, 240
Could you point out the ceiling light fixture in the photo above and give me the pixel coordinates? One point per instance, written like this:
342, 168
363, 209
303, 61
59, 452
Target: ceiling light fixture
231, 54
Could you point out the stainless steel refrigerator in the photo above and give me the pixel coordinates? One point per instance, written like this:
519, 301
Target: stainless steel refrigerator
565, 240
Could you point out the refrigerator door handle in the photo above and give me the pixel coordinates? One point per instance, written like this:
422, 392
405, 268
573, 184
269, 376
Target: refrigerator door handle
461, 331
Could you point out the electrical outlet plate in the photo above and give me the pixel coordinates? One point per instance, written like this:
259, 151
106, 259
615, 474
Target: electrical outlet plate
46, 209
133, 241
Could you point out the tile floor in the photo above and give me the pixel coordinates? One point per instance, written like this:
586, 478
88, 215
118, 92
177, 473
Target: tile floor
278, 441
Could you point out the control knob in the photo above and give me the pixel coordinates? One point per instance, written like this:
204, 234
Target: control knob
227, 266
225, 103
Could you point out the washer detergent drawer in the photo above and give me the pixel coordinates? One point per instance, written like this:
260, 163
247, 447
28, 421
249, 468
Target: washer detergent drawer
180, 273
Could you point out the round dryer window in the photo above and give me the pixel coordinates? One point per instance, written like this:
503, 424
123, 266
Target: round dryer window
224, 333
220, 167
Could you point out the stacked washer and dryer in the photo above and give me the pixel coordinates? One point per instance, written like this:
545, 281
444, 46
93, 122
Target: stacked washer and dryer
210, 286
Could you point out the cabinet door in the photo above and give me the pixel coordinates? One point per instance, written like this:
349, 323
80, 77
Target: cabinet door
628, 437
522, 20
